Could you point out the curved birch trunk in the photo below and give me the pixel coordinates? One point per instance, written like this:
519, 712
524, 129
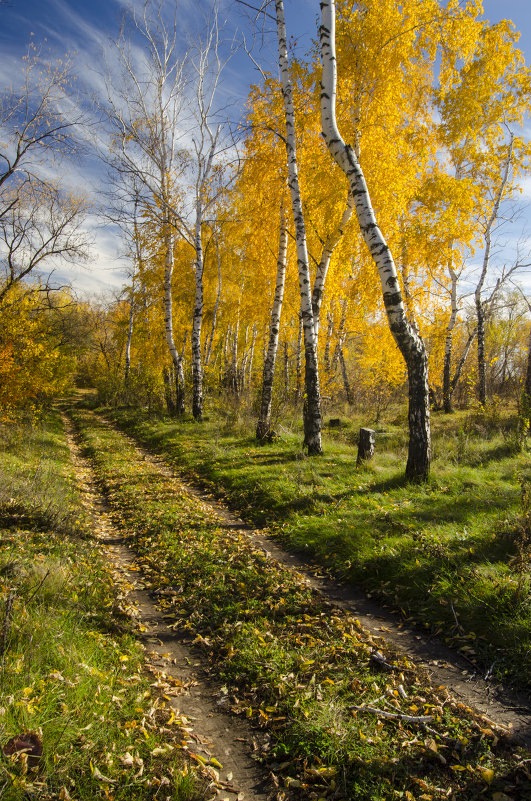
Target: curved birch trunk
480, 308
312, 405
408, 340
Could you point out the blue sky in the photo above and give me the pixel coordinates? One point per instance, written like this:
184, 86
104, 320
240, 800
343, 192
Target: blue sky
82, 28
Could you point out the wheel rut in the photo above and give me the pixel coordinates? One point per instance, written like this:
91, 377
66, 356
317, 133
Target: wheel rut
224, 748
500, 705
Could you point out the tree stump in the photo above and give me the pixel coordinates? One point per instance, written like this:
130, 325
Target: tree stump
366, 445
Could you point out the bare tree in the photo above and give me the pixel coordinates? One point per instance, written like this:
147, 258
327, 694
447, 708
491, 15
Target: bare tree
39, 220
41, 223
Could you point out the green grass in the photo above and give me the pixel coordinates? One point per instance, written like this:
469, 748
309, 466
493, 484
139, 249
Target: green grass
291, 663
72, 672
453, 555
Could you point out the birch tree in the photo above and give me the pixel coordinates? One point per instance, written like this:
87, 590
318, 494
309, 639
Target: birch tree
480, 308
406, 336
263, 428
160, 117
312, 406
144, 109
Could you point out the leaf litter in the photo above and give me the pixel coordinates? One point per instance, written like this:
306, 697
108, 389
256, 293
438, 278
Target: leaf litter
169, 689
345, 716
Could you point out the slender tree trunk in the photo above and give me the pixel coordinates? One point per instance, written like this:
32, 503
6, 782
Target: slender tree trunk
527, 385
312, 406
233, 369
461, 362
197, 367
179, 380
251, 357
242, 372
448, 342
208, 349
298, 363
324, 263
226, 345
408, 340
329, 330
480, 308
482, 367
525, 416
344, 375
340, 334
129, 338
286, 369
263, 428
173, 408
168, 394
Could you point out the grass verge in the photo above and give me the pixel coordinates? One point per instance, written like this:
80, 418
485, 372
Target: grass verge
80, 717
453, 555
341, 724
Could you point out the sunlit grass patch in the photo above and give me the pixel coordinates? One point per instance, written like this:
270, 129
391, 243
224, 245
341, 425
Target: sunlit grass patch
304, 672
419, 548
73, 679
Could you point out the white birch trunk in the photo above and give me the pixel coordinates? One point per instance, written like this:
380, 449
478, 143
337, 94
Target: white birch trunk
329, 330
408, 340
263, 428
178, 404
286, 369
526, 394
312, 410
197, 319
127, 367
251, 357
448, 342
204, 170
344, 374
215, 312
298, 363
480, 309
324, 263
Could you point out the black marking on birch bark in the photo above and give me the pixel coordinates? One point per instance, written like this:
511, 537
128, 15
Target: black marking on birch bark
392, 299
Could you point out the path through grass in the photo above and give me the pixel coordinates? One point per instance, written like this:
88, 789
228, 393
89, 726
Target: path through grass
294, 665
453, 555
73, 678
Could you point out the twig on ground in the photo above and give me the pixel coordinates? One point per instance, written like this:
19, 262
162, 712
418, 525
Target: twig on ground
39, 585
5, 627
457, 623
393, 715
